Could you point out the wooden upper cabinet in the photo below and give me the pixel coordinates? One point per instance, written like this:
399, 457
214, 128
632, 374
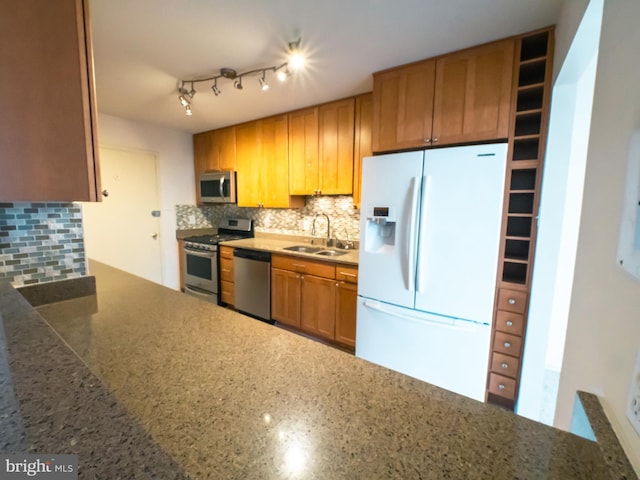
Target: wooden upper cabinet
215, 150
48, 133
262, 162
335, 172
473, 94
403, 107
362, 141
303, 151
457, 98
321, 149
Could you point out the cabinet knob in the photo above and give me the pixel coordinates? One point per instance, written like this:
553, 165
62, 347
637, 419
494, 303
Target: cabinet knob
504, 365
501, 386
507, 344
105, 193
509, 323
435, 140
512, 301
427, 140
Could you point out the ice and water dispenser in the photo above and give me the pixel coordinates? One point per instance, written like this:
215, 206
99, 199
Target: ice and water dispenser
380, 235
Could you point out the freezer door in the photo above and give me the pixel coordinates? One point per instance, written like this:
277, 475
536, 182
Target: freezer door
444, 352
388, 227
459, 234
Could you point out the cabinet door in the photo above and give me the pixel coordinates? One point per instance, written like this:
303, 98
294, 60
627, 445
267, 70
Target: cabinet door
249, 165
203, 155
403, 107
224, 146
362, 141
285, 297
317, 314
303, 151
346, 303
336, 121
48, 139
275, 157
473, 94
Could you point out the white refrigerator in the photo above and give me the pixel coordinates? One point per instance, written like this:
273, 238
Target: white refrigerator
429, 239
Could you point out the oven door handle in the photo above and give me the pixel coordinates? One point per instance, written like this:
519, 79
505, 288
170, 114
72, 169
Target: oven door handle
200, 253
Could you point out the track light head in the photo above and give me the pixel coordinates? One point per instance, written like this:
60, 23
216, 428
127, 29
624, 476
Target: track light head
188, 110
263, 82
296, 57
238, 84
214, 87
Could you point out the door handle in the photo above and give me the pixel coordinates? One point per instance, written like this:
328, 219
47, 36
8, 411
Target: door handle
154, 235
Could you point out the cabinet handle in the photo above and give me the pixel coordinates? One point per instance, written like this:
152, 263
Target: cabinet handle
105, 193
299, 265
501, 386
427, 140
225, 269
347, 274
512, 301
507, 344
435, 140
504, 365
337, 285
509, 323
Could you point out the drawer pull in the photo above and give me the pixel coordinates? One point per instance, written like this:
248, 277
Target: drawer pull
347, 274
501, 386
300, 265
512, 301
504, 365
225, 269
509, 323
507, 344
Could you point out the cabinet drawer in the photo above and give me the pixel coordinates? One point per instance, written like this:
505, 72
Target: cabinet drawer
512, 300
226, 252
226, 269
504, 364
509, 344
302, 265
227, 291
502, 386
347, 273
510, 322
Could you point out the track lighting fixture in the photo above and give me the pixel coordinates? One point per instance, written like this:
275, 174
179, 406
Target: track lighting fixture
295, 61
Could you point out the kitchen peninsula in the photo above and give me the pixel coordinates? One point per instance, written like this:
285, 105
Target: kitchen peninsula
144, 382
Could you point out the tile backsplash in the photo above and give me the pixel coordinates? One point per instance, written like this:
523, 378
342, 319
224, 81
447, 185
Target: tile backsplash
340, 209
41, 242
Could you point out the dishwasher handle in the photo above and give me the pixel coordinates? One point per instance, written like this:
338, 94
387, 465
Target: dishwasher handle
257, 255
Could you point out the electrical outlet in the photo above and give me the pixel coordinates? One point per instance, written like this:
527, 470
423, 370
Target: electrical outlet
633, 403
192, 219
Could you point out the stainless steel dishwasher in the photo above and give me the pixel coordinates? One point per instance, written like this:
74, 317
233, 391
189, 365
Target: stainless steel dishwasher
252, 277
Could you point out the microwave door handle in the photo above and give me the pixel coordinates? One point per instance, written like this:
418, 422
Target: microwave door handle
221, 187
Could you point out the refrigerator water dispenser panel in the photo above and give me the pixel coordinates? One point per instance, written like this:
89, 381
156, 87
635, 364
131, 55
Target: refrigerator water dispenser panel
381, 229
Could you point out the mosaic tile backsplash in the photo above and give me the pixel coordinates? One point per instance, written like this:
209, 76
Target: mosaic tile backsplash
41, 242
345, 219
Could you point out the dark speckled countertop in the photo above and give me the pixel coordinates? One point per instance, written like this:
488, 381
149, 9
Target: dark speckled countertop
167, 386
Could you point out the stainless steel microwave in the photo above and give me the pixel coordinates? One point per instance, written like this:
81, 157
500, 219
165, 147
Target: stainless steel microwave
217, 187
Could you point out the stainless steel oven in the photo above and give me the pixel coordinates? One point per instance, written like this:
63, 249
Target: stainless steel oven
201, 271
201, 266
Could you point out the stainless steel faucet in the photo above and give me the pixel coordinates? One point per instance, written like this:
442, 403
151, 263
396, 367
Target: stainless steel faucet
313, 227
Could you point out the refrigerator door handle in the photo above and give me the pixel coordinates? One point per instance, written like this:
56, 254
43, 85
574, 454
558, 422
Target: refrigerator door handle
411, 264
422, 253
441, 321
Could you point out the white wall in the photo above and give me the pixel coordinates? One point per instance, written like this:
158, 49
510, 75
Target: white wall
560, 205
603, 332
174, 153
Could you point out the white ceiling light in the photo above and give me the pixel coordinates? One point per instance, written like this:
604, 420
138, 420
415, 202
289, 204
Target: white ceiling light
295, 60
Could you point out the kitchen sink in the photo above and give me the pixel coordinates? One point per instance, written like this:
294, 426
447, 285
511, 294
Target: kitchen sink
303, 249
331, 253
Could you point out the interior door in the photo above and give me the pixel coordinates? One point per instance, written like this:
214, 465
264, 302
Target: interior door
121, 231
460, 221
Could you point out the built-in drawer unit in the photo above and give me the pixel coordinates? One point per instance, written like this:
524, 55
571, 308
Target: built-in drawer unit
512, 300
506, 343
510, 322
504, 364
347, 273
227, 286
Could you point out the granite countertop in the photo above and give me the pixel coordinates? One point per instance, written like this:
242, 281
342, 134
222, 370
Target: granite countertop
278, 244
145, 382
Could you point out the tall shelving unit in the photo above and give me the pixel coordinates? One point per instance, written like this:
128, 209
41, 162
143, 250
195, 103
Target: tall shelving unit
527, 139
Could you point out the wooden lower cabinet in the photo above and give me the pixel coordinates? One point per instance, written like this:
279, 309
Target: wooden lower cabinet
227, 285
318, 298
318, 306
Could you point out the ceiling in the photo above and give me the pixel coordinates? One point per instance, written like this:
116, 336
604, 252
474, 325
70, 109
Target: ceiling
143, 48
